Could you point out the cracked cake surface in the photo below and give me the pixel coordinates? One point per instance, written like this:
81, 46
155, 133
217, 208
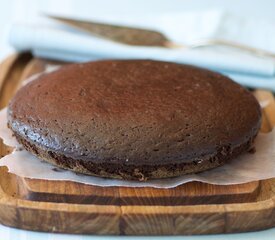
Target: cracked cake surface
134, 119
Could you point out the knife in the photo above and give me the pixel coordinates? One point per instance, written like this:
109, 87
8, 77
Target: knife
117, 33
147, 37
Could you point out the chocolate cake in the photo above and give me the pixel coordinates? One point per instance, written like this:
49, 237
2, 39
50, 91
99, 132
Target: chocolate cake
134, 119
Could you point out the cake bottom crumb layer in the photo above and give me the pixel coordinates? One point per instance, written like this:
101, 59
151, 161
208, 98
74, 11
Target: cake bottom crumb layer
133, 172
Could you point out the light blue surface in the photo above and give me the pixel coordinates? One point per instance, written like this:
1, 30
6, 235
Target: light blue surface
24, 9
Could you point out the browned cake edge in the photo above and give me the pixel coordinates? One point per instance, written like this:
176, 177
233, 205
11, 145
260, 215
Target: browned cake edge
139, 173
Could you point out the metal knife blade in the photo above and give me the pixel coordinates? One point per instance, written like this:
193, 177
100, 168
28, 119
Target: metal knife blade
117, 33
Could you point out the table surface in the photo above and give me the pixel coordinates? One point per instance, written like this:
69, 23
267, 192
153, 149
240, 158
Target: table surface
27, 10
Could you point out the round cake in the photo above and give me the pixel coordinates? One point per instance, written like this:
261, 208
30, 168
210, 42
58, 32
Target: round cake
134, 119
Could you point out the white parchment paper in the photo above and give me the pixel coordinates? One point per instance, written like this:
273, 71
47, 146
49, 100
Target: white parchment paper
246, 168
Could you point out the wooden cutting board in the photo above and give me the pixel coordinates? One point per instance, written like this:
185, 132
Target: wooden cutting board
193, 208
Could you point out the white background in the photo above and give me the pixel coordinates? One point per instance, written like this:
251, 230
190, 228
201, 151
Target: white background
27, 10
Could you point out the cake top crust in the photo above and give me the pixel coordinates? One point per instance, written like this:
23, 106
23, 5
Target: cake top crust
136, 112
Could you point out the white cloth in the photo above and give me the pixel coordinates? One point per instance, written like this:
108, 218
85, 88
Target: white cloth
56, 42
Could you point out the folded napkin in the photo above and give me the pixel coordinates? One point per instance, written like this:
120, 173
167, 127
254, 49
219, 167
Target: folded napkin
57, 42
